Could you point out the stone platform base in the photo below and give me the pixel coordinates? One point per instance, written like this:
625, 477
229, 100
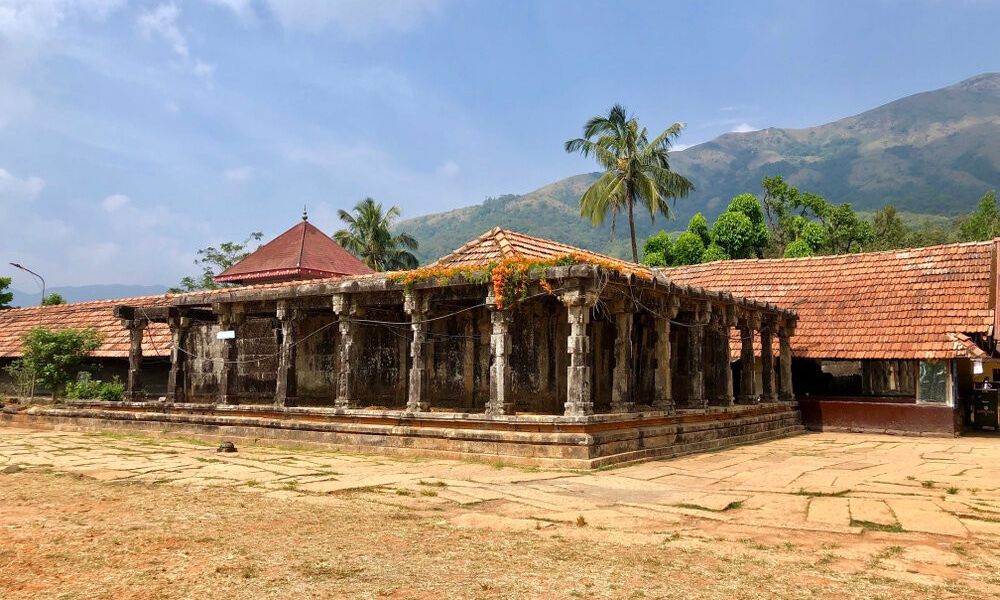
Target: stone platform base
584, 442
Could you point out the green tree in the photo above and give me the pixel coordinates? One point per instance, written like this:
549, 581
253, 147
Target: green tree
888, 230
53, 299
369, 236
749, 205
735, 234
714, 252
798, 248
5, 297
636, 169
812, 233
698, 225
688, 249
53, 357
984, 223
214, 260
657, 251
845, 231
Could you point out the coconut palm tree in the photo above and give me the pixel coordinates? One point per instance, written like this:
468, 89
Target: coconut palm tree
369, 237
636, 170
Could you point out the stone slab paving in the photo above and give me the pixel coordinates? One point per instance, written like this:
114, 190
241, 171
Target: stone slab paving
825, 482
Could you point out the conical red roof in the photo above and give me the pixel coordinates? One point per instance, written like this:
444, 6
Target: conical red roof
302, 252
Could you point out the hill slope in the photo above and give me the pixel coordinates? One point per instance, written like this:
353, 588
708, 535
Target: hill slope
935, 152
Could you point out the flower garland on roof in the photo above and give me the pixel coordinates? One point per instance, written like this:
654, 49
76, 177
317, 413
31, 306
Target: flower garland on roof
510, 277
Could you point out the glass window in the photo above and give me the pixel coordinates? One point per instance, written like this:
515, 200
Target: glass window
933, 381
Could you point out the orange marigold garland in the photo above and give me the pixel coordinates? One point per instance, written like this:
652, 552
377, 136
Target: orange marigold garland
510, 276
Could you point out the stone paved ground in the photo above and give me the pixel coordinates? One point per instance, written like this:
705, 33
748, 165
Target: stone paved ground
926, 500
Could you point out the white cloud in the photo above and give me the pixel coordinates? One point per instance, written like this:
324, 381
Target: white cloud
243, 9
24, 21
18, 191
115, 202
679, 147
744, 128
448, 168
162, 22
203, 71
354, 18
238, 174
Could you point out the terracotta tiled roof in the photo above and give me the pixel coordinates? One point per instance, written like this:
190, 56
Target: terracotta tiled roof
99, 315
302, 252
917, 303
497, 244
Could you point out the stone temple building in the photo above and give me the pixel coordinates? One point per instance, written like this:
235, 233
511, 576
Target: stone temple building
512, 346
530, 350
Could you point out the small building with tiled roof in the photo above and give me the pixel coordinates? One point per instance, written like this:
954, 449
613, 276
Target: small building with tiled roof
302, 252
911, 326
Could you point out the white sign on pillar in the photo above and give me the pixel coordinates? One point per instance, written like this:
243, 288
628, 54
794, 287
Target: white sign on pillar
226, 335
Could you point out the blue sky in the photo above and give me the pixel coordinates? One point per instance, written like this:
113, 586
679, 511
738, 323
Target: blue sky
133, 133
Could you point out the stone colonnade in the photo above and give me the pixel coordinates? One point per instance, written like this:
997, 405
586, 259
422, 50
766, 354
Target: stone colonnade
705, 323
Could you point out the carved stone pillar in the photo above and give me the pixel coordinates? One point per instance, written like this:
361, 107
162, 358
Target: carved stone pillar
501, 400
785, 390
768, 393
469, 359
662, 377
721, 368
286, 392
417, 306
135, 328
346, 310
622, 384
229, 321
748, 373
579, 396
176, 379
696, 355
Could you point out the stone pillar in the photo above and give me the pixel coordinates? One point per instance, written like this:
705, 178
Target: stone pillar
785, 390
501, 400
748, 371
345, 308
135, 329
662, 377
230, 357
176, 379
721, 368
285, 392
767, 362
579, 398
696, 355
469, 359
622, 384
418, 398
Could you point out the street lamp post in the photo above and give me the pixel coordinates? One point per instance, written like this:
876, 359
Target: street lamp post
42, 303
40, 278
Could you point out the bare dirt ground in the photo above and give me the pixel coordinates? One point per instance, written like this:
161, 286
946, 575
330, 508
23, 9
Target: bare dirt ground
97, 516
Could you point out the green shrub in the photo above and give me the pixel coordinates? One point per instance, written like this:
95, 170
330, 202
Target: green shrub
714, 252
797, 249
688, 249
95, 389
657, 250
20, 377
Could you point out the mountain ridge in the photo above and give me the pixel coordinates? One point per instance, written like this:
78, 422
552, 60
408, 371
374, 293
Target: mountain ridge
934, 152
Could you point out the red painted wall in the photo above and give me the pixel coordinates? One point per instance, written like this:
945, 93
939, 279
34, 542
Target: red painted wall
878, 417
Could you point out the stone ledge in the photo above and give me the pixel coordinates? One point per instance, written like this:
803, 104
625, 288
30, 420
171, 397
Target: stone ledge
587, 446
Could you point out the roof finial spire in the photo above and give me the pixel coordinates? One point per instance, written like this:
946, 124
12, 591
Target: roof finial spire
305, 215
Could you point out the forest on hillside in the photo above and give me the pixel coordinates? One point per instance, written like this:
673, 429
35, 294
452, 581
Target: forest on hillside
787, 222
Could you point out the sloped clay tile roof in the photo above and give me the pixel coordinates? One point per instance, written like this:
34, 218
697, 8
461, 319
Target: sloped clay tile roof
99, 315
918, 303
302, 252
498, 244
